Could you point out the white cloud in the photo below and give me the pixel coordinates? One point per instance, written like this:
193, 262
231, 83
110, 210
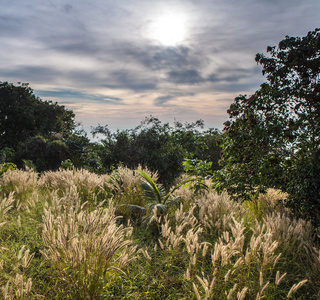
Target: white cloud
100, 49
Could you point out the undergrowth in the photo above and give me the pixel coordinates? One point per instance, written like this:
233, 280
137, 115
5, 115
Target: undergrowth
62, 236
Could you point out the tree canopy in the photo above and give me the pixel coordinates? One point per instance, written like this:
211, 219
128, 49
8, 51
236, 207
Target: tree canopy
24, 115
272, 138
45, 134
160, 147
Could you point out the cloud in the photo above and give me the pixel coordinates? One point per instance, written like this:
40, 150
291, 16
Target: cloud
127, 79
160, 57
99, 52
67, 8
66, 94
31, 73
233, 75
163, 100
189, 76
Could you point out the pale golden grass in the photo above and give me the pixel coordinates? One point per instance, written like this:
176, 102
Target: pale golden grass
289, 232
6, 204
217, 211
272, 201
186, 231
89, 185
125, 186
219, 248
22, 183
84, 245
19, 287
185, 194
236, 248
295, 287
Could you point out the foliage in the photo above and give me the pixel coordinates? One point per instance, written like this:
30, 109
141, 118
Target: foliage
24, 115
56, 245
6, 167
6, 155
44, 154
158, 200
67, 164
82, 152
272, 136
200, 170
157, 146
197, 167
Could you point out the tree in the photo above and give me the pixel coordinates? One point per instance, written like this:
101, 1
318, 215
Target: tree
160, 147
43, 154
272, 138
24, 115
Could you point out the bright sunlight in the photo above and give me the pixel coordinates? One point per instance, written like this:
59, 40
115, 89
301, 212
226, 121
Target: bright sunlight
169, 29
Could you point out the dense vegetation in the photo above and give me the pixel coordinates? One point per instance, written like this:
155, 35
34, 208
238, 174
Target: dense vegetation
272, 138
45, 134
148, 213
62, 238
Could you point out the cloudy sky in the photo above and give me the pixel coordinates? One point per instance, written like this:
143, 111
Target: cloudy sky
117, 61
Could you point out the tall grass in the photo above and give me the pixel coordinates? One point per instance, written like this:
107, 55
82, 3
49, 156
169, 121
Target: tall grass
61, 238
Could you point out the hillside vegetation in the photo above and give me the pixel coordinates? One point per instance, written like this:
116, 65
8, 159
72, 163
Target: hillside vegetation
72, 234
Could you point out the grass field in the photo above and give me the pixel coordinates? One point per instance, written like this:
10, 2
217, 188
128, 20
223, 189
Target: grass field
72, 234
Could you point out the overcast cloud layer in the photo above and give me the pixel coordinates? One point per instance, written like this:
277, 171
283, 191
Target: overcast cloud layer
101, 59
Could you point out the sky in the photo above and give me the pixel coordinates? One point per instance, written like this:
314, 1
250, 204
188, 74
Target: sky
115, 62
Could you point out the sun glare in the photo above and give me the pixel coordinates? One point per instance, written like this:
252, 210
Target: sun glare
169, 29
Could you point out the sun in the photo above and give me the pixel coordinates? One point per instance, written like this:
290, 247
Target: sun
169, 29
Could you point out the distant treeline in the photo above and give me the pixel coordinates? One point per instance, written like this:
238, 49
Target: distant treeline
45, 135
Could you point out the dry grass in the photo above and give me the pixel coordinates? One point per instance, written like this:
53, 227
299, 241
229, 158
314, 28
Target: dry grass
125, 186
85, 246
61, 240
20, 286
245, 262
90, 186
22, 183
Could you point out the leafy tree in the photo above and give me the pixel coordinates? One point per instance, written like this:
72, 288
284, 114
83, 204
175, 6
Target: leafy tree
272, 138
158, 146
24, 115
82, 152
42, 153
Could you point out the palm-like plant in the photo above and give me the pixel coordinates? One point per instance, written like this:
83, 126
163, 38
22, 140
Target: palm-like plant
157, 198
156, 195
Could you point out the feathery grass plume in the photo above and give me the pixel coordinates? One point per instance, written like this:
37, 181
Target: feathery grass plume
268, 203
289, 232
295, 287
206, 286
89, 185
85, 247
232, 290
22, 183
271, 202
216, 212
196, 291
241, 295
20, 286
125, 186
240, 251
186, 195
182, 231
58, 181
229, 246
279, 278
296, 240
6, 203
